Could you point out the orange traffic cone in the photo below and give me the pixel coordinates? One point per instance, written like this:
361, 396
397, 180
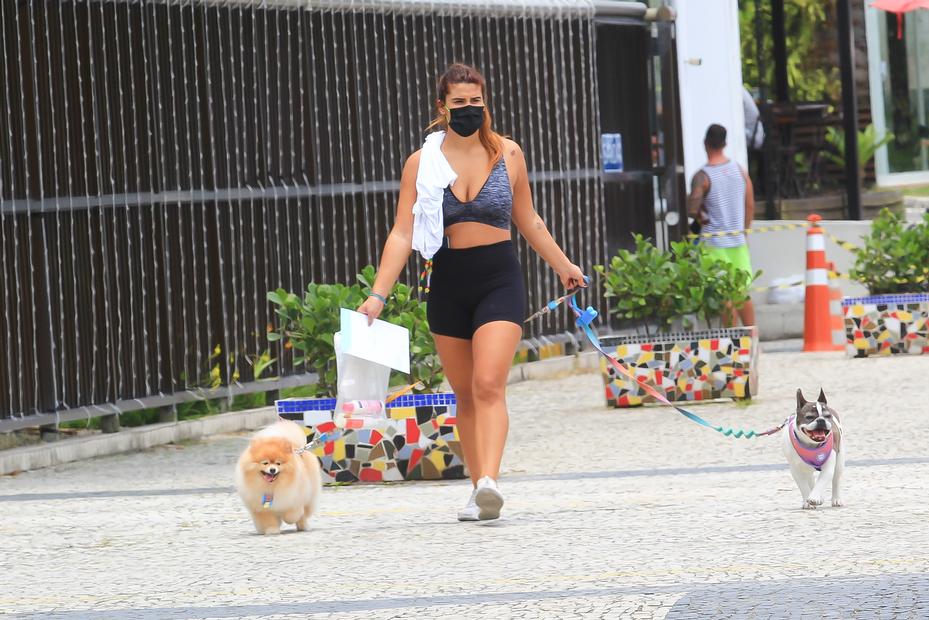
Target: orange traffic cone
817, 327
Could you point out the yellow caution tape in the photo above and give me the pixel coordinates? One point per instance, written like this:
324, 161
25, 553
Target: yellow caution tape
835, 275
776, 286
845, 245
750, 231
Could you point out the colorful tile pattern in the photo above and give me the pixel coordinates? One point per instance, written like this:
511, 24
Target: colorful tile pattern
545, 347
687, 366
417, 441
886, 324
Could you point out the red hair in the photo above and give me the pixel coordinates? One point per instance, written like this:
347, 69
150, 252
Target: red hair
459, 73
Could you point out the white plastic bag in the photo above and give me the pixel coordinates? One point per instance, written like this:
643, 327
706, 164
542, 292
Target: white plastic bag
359, 380
789, 290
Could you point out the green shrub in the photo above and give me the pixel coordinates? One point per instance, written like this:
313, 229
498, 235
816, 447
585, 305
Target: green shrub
895, 257
868, 144
638, 284
649, 286
307, 326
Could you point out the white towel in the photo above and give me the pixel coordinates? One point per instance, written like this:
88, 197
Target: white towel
433, 176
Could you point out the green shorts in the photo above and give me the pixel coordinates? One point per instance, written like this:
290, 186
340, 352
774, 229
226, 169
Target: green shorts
737, 256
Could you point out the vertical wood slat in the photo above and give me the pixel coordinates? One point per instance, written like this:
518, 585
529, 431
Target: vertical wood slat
155, 97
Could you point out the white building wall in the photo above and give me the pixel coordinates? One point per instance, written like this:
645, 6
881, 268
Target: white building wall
710, 75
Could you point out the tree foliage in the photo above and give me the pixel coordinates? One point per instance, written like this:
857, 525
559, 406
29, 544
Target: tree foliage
808, 25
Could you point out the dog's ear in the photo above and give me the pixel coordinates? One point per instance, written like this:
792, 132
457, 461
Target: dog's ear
800, 400
822, 396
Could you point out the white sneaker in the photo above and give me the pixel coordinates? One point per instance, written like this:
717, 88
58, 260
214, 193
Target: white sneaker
488, 499
470, 512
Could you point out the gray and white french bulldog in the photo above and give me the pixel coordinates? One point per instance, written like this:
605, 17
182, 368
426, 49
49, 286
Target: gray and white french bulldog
812, 442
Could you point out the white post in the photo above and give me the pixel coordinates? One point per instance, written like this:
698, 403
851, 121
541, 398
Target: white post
710, 77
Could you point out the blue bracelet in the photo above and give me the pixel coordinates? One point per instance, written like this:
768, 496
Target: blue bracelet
379, 297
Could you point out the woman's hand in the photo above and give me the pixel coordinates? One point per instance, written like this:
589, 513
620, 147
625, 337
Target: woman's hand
372, 307
572, 277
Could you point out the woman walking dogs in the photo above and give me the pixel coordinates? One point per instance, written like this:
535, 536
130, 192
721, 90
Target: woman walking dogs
458, 197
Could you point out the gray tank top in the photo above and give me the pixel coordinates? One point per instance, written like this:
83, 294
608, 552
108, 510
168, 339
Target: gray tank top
493, 204
725, 204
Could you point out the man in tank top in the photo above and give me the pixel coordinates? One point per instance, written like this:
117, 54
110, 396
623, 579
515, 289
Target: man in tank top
722, 198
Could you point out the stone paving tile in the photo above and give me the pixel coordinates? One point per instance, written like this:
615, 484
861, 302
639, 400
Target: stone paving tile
609, 514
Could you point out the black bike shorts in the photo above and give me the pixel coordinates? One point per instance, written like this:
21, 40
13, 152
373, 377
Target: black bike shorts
473, 286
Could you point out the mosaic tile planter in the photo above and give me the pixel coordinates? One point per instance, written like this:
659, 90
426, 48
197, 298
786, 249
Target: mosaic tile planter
418, 440
687, 366
886, 324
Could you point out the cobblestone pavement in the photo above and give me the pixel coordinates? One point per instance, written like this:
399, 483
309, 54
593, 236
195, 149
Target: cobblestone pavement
609, 514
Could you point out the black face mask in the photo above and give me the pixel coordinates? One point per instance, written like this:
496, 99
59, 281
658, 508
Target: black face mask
466, 120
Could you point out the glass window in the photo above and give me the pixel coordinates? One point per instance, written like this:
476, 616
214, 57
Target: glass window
905, 81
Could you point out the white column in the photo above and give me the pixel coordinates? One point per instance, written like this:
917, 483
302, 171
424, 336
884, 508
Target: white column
710, 77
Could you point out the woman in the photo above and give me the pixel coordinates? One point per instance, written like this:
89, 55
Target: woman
476, 303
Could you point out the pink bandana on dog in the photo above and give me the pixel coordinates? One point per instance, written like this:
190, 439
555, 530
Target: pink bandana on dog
814, 457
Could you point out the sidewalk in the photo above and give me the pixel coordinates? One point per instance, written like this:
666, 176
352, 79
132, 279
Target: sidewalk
609, 514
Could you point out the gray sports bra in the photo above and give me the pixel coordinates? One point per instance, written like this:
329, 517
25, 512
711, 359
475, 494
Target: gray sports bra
493, 204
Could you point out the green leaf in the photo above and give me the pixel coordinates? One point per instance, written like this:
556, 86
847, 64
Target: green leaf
262, 364
309, 323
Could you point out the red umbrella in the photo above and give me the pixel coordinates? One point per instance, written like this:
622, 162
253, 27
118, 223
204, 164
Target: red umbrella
899, 7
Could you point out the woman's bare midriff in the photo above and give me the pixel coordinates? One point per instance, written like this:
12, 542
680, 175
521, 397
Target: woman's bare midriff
472, 234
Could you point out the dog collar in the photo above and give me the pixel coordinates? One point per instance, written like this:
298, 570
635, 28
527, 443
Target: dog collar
266, 500
814, 457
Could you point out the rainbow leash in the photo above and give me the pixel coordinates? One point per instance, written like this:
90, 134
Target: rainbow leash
583, 319
425, 277
553, 304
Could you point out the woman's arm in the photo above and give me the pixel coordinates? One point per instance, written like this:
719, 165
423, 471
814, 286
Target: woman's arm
531, 226
399, 243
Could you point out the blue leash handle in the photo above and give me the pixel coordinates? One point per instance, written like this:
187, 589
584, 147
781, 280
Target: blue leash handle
583, 319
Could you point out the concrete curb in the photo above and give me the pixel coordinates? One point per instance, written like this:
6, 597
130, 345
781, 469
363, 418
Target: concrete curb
554, 367
131, 440
779, 322
142, 437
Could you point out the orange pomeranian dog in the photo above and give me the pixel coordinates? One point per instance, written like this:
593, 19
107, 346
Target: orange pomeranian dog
275, 482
